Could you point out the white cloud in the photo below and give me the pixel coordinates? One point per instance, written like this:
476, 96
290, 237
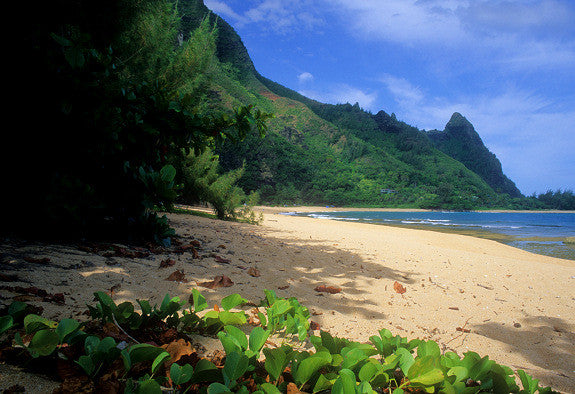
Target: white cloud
402, 90
305, 77
526, 34
342, 94
224, 10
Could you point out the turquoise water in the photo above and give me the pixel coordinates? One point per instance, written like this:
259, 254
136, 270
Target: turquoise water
538, 232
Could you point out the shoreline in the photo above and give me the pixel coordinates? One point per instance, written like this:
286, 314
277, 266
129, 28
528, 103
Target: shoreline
543, 245
518, 306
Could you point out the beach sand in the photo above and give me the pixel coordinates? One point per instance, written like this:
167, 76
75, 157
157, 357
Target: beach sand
519, 307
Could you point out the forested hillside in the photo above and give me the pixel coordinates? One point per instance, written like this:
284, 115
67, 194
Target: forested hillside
317, 153
460, 141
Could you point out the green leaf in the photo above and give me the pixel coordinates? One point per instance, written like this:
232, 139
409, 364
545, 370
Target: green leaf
309, 366
143, 352
345, 383
145, 306
232, 301
66, 327
181, 375
34, 323
168, 173
269, 388
405, 359
425, 372
217, 388
87, 364
258, 338
198, 301
275, 362
236, 365
159, 360
461, 373
44, 342
206, 371
6, 323
17, 309
429, 348
530, 385
149, 386
233, 318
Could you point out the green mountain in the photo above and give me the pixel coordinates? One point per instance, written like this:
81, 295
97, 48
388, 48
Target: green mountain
460, 141
317, 153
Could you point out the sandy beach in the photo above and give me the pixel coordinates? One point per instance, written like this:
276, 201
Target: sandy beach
519, 307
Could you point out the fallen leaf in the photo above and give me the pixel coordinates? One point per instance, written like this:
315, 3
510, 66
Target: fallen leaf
399, 288
283, 287
314, 326
167, 263
177, 350
292, 388
177, 276
454, 308
466, 330
219, 281
254, 272
328, 289
222, 260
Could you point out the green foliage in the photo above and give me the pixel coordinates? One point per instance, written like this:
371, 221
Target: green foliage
389, 364
121, 99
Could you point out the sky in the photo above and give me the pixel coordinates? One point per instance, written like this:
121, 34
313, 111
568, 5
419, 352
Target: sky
508, 66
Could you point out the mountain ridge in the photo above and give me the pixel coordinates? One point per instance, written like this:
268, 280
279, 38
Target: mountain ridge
319, 153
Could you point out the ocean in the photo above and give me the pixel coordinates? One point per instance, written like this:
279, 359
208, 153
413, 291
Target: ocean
544, 233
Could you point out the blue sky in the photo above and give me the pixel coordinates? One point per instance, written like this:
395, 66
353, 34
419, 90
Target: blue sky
508, 66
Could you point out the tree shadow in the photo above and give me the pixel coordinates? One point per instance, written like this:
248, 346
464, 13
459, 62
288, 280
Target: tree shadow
289, 266
547, 342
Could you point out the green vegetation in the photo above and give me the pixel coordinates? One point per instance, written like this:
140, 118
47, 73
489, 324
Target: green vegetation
128, 361
121, 101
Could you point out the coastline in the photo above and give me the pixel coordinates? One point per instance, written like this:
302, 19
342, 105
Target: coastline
518, 306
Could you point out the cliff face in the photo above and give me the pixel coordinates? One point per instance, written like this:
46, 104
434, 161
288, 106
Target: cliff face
460, 141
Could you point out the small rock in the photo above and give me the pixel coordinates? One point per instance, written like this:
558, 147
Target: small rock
516, 325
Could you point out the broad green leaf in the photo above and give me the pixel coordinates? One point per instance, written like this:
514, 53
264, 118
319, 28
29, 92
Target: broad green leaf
236, 365
17, 309
149, 386
405, 359
217, 388
143, 352
275, 362
232, 301
369, 370
269, 388
91, 343
34, 323
206, 371
87, 364
460, 373
424, 371
233, 318
345, 383
428, 348
66, 327
181, 375
258, 338
238, 335
309, 366
44, 342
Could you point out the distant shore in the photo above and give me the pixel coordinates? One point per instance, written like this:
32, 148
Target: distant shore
303, 208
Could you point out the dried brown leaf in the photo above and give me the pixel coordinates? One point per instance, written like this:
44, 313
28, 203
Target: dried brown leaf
399, 288
328, 289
